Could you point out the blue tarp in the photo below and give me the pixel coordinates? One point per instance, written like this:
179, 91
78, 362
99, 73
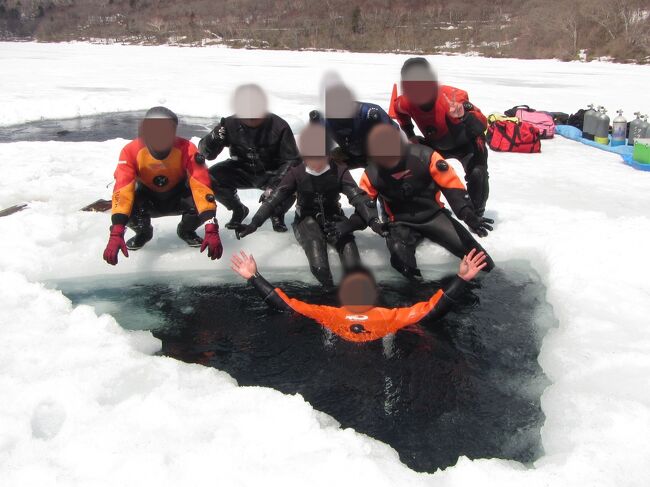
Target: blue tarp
625, 151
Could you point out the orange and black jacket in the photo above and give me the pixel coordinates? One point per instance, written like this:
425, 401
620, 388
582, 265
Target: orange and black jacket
410, 192
161, 177
363, 327
440, 130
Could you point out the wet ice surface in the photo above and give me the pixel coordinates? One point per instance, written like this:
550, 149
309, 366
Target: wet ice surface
469, 384
97, 128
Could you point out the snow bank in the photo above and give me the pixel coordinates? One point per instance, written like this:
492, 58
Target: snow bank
89, 405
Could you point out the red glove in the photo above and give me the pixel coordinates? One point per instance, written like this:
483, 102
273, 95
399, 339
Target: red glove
115, 244
212, 241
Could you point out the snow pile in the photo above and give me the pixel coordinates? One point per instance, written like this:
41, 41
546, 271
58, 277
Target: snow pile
88, 405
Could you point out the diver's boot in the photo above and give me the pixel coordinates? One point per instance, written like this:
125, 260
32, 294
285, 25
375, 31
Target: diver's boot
411, 273
278, 223
239, 212
141, 237
188, 236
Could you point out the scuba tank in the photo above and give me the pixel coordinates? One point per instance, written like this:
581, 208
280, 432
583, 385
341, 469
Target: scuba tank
619, 129
645, 128
601, 134
635, 129
589, 123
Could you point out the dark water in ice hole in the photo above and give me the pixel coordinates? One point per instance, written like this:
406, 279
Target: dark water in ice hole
468, 384
97, 128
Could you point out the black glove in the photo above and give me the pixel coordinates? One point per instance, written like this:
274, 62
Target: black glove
219, 132
199, 159
337, 229
266, 194
245, 230
379, 228
478, 224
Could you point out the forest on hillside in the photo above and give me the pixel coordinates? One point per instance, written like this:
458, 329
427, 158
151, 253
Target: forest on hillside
587, 29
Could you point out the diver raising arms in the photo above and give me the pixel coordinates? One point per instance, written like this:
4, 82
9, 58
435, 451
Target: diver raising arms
359, 319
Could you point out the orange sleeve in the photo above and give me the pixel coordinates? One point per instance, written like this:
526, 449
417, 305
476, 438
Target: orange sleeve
200, 184
367, 186
416, 313
124, 189
443, 174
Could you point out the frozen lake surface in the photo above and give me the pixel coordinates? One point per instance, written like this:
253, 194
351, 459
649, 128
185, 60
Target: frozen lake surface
92, 403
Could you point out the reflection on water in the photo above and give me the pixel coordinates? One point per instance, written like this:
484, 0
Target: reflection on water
467, 385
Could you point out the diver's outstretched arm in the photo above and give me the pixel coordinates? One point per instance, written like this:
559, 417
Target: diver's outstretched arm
246, 267
444, 299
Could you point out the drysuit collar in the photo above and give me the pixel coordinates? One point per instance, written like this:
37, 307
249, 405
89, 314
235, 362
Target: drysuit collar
311, 172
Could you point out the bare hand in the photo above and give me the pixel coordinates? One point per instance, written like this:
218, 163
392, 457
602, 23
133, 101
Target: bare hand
244, 265
471, 265
456, 108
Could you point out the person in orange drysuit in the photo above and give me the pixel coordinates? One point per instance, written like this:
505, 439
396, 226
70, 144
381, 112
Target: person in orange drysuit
450, 124
359, 319
160, 174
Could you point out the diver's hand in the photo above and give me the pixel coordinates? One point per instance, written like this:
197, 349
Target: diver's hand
379, 228
478, 224
337, 229
244, 265
471, 265
212, 241
115, 244
456, 108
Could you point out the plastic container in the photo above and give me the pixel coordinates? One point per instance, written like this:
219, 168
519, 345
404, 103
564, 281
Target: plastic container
645, 128
601, 134
589, 123
642, 151
619, 129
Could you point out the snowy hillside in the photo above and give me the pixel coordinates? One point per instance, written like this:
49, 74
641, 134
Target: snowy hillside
85, 403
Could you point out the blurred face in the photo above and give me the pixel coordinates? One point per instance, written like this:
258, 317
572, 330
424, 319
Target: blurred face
420, 85
250, 104
385, 146
358, 293
339, 102
312, 145
158, 134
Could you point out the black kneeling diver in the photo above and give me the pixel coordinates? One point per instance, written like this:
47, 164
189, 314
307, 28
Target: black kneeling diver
318, 183
408, 180
359, 319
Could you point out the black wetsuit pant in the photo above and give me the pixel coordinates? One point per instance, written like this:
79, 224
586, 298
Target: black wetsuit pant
474, 158
442, 229
229, 176
148, 205
311, 237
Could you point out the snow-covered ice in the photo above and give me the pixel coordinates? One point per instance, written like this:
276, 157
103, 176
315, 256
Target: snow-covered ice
85, 403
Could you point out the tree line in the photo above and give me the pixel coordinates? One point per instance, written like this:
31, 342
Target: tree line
616, 29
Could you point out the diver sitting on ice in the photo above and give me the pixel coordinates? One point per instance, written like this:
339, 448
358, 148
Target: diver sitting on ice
160, 174
348, 123
359, 319
408, 180
262, 149
319, 183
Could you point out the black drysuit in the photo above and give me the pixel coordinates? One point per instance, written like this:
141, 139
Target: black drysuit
410, 196
319, 205
259, 158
